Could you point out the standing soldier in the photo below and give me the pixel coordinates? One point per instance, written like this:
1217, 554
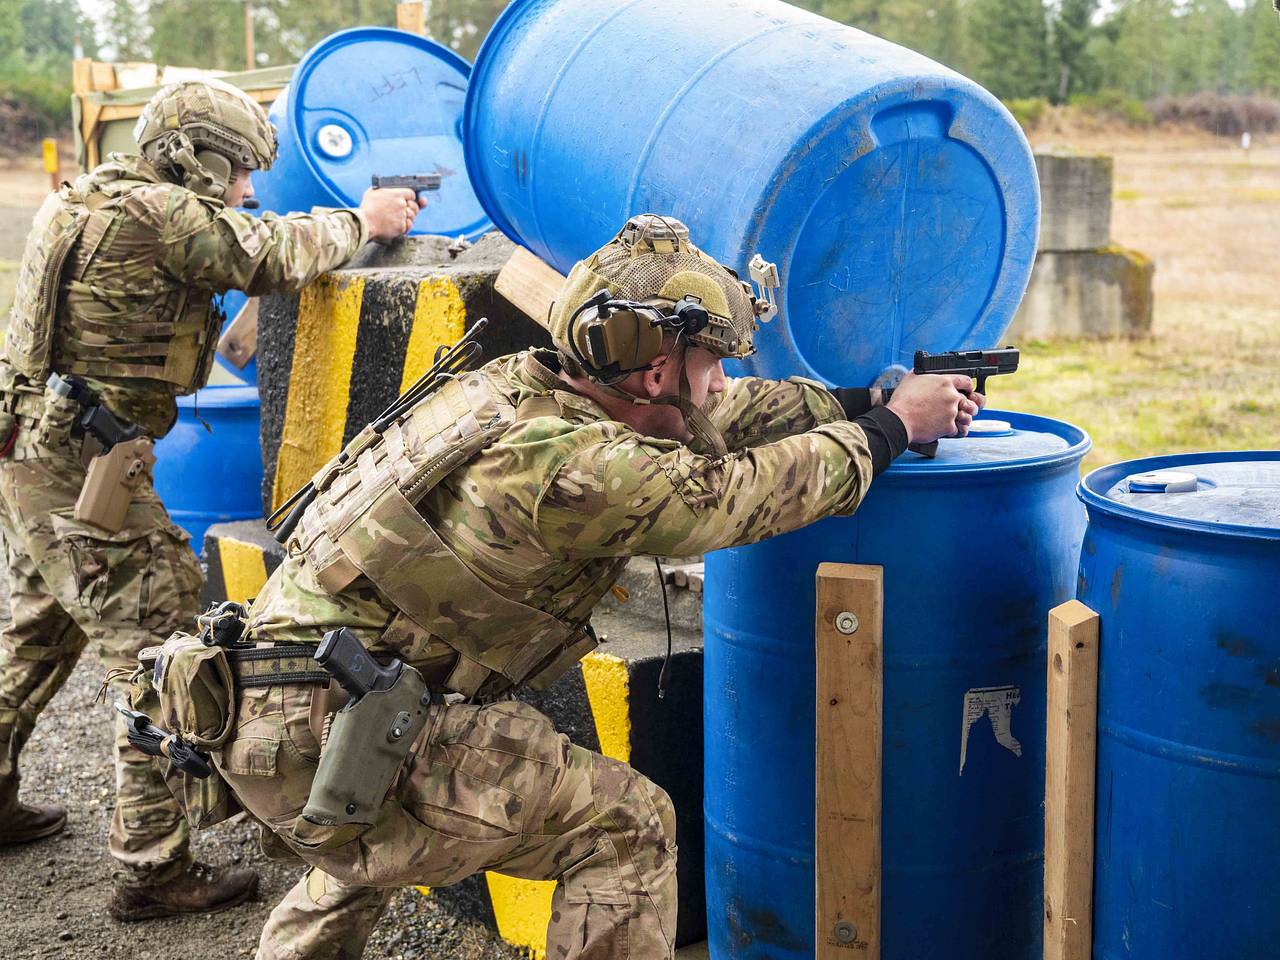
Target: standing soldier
115, 297
468, 536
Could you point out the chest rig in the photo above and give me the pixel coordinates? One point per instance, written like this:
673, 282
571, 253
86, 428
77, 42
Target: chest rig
364, 521
90, 299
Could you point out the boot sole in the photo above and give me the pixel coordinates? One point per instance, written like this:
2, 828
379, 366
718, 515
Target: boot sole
157, 911
49, 831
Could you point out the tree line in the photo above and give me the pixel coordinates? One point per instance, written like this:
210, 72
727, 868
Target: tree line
1054, 49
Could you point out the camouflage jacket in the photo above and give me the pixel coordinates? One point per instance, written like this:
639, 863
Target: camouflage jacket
549, 514
135, 312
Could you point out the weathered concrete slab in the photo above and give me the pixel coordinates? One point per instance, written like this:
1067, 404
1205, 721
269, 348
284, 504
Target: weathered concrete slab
1098, 294
1075, 200
608, 703
331, 358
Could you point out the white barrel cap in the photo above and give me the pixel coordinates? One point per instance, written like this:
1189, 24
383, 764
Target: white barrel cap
989, 428
1163, 481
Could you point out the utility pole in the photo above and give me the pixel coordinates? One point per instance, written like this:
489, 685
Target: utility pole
250, 61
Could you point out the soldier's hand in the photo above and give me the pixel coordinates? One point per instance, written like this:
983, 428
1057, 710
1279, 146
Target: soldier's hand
390, 212
932, 406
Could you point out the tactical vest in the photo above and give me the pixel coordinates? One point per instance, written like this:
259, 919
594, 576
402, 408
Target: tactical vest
365, 521
73, 312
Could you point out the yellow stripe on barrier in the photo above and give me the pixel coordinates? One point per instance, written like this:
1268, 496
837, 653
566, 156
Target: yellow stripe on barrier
439, 317
609, 693
244, 570
324, 350
523, 910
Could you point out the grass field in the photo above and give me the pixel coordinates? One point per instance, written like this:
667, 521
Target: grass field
1209, 376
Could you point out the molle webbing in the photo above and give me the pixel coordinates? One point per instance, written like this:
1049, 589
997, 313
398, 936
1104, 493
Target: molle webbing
365, 521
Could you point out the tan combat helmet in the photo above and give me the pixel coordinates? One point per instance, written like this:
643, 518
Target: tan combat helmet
648, 282
201, 130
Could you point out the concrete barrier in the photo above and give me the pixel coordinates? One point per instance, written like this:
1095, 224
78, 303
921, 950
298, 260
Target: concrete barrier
1075, 200
331, 358
1089, 293
608, 703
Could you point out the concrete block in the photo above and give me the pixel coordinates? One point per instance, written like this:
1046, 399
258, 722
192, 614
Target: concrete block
332, 357
1075, 200
608, 703
1098, 294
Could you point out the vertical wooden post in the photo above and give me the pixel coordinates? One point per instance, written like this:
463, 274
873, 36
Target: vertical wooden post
250, 56
850, 665
1070, 760
412, 16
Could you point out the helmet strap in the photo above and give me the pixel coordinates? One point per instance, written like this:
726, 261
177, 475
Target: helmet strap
206, 179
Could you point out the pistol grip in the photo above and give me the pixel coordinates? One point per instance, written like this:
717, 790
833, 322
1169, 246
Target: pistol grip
929, 450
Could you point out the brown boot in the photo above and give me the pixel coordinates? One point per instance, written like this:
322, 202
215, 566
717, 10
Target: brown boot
20, 823
201, 888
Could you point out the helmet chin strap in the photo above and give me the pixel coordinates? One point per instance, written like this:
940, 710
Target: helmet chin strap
199, 179
699, 424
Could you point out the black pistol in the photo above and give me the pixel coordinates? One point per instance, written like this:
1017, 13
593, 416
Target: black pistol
417, 182
978, 364
343, 655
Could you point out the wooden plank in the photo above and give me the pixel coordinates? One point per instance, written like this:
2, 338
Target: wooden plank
240, 341
82, 75
530, 283
1071, 756
412, 16
103, 75
850, 667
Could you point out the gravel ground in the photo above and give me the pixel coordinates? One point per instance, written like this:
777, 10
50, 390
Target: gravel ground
54, 893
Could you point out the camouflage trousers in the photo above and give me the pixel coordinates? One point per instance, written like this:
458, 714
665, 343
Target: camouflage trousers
68, 583
485, 788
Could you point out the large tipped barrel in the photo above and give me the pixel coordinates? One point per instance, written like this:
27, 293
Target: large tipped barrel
1182, 562
367, 101
899, 199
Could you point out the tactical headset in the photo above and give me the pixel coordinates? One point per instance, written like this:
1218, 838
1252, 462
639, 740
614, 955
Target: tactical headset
613, 338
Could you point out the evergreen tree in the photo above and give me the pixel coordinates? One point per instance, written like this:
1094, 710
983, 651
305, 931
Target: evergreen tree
1011, 47
1137, 56
1263, 47
1072, 26
126, 25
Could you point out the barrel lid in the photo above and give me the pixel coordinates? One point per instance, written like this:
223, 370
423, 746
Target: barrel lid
999, 440
1214, 492
373, 100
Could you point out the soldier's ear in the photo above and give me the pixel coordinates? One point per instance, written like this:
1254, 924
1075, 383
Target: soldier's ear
660, 378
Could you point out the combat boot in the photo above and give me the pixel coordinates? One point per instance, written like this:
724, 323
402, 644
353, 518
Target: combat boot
20, 823
201, 888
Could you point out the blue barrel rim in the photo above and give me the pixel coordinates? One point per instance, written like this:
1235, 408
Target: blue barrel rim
1093, 486
479, 183
1079, 443
312, 58
223, 396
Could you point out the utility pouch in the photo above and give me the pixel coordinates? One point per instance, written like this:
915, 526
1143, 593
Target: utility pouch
196, 691
53, 430
205, 801
111, 481
368, 744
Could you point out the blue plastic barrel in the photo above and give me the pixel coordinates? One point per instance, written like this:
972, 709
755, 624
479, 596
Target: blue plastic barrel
977, 546
1182, 562
208, 477
898, 198
367, 101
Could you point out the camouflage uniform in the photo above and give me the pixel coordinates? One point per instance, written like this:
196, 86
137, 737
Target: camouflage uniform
135, 317
546, 515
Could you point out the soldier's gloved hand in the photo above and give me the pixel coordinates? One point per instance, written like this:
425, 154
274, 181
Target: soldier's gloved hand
932, 406
390, 212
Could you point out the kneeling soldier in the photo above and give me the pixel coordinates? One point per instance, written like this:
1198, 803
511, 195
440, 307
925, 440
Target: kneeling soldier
468, 535
115, 298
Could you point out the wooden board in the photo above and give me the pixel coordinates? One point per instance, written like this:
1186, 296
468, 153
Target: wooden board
530, 283
412, 16
240, 341
1071, 756
850, 668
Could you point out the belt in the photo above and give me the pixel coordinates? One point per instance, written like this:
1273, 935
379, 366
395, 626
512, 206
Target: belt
268, 666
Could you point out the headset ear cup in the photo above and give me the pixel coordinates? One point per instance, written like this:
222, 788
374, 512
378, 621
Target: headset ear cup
219, 168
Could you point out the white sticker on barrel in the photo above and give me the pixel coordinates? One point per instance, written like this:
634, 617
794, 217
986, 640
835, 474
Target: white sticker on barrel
997, 703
